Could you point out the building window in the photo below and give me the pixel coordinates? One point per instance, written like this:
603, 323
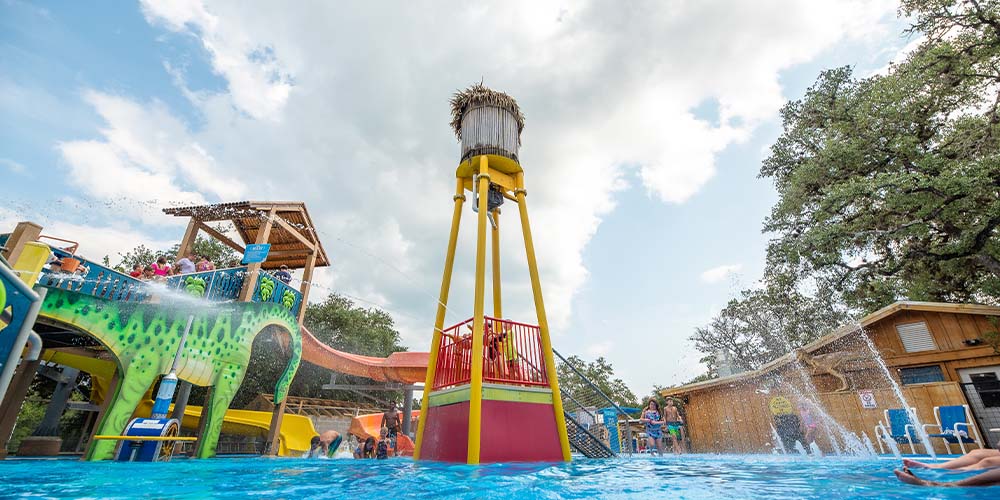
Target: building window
921, 375
916, 337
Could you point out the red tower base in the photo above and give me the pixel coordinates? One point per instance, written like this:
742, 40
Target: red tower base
518, 425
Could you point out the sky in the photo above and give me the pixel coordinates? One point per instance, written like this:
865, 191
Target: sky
646, 124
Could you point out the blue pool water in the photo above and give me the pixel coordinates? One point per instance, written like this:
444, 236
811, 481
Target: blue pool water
691, 476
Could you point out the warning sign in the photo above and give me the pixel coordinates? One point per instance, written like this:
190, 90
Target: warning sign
780, 405
867, 399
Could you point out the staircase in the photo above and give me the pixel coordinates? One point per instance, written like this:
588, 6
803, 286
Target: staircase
581, 440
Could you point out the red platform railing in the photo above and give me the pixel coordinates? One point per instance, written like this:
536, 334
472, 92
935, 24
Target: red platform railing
512, 354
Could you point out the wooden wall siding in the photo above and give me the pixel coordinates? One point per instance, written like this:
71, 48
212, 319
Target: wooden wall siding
737, 419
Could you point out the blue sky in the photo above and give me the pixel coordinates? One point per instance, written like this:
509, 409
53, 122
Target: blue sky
646, 126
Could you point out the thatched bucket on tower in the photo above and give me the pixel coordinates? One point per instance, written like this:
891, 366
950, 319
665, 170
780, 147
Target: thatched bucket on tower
487, 122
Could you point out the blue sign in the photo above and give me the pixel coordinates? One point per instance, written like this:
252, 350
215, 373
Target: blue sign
256, 253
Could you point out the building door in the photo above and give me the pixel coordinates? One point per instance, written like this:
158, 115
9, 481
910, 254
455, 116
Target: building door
982, 390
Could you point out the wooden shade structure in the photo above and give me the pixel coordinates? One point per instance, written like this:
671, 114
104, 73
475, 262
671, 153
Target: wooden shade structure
290, 232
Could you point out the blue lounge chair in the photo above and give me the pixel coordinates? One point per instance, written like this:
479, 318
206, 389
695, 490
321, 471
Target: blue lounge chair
898, 427
955, 426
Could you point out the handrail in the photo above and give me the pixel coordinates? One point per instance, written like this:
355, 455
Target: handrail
75, 246
607, 398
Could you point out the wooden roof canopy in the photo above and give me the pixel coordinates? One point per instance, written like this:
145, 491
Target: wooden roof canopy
292, 235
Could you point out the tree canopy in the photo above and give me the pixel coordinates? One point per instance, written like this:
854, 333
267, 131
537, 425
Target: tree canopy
601, 374
337, 322
889, 189
889, 185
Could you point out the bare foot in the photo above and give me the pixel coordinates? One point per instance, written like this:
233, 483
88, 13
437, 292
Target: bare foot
907, 477
918, 465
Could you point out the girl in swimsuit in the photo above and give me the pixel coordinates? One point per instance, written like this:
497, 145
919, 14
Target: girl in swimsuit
654, 425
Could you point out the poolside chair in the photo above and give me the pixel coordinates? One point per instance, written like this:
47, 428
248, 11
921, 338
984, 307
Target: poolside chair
898, 427
955, 426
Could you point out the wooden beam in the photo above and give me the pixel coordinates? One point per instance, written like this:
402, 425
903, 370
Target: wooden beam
23, 233
254, 269
273, 434
307, 276
221, 237
187, 242
294, 232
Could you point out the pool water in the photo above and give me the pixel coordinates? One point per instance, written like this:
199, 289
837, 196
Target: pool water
690, 476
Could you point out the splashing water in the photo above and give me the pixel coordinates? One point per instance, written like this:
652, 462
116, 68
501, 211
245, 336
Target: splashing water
814, 448
779, 445
921, 433
799, 448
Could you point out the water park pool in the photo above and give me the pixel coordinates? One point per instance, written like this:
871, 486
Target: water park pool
690, 476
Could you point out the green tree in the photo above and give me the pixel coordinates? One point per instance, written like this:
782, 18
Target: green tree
337, 322
764, 324
890, 185
216, 251
601, 374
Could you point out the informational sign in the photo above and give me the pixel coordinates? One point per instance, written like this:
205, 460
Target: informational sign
867, 399
780, 405
256, 253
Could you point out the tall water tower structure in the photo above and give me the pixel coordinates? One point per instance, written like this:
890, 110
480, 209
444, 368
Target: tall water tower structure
490, 379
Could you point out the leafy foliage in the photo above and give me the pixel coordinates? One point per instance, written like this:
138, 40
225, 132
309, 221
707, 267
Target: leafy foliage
337, 322
602, 374
890, 185
765, 324
217, 252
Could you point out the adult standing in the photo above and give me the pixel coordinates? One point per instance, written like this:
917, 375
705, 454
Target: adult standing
186, 264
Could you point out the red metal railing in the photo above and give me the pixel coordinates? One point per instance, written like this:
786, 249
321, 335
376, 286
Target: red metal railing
512, 354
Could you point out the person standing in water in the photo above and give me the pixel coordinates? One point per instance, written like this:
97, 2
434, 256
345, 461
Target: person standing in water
391, 420
674, 421
654, 426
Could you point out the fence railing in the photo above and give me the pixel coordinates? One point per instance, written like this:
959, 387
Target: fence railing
271, 289
95, 279
593, 409
218, 285
512, 354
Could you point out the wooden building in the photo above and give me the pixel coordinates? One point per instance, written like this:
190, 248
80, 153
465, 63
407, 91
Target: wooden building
939, 354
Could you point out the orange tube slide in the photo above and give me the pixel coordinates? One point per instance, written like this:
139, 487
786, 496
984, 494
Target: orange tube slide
405, 367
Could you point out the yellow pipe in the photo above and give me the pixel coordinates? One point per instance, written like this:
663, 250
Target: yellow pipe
476, 382
497, 310
543, 324
442, 309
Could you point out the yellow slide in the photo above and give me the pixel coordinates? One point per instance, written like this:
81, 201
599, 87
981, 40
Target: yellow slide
296, 430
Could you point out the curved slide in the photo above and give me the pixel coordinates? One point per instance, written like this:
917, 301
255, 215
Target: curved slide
405, 367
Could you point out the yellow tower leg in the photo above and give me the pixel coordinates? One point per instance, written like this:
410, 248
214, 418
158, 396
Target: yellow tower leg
497, 309
543, 324
442, 309
476, 382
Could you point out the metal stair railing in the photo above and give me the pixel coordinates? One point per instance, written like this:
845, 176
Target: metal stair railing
583, 441
583, 406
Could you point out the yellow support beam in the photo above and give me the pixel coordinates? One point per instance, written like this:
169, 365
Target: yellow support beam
497, 306
543, 324
476, 382
442, 309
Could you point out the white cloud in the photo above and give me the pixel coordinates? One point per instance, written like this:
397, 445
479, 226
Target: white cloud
12, 166
344, 106
599, 349
720, 273
259, 82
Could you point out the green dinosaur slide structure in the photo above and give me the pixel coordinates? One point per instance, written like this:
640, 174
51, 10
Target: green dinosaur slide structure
144, 337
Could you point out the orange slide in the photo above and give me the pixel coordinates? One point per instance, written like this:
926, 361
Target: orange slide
405, 367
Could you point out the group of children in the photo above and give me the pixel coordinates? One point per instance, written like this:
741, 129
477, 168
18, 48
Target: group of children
160, 269
655, 422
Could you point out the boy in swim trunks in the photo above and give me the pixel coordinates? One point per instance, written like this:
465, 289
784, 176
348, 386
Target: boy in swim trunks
674, 422
654, 426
